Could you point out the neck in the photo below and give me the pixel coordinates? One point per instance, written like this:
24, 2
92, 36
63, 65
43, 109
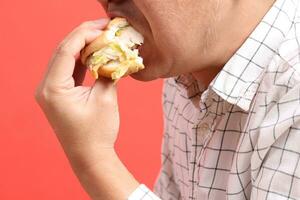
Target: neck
235, 21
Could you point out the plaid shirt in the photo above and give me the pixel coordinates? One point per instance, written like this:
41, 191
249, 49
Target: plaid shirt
240, 137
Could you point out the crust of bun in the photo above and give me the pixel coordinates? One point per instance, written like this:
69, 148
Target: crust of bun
107, 70
117, 22
103, 39
96, 45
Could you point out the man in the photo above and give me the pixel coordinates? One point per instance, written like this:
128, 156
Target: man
231, 100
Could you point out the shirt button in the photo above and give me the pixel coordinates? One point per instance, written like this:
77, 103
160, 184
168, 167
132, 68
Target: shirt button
203, 133
204, 127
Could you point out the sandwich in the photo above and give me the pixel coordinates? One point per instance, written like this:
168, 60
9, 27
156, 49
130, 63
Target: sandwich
114, 54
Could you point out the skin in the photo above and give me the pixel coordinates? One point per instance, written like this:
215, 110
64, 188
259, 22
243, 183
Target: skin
181, 36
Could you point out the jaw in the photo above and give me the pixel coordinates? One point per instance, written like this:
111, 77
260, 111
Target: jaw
153, 71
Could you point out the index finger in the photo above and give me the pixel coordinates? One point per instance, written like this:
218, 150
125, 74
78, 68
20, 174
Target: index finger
62, 65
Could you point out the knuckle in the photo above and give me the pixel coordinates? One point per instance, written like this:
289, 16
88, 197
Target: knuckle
43, 95
81, 32
85, 24
62, 49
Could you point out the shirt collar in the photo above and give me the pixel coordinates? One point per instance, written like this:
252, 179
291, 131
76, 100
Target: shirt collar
238, 81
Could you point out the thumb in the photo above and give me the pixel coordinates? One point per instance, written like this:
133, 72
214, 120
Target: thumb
105, 91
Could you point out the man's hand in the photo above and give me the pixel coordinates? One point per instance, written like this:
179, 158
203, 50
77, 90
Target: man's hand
85, 119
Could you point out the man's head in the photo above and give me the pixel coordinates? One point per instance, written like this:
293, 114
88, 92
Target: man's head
181, 36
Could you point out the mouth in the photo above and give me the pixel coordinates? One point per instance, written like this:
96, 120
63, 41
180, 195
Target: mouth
114, 13
139, 48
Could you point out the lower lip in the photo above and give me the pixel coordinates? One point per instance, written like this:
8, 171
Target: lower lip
139, 47
113, 15
142, 52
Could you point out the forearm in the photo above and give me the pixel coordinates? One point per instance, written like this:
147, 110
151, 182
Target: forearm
109, 179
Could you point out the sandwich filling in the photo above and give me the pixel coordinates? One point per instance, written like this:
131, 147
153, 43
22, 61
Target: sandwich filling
120, 55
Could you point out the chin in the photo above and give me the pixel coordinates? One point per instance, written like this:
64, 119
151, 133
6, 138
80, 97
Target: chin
153, 71
154, 67
143, 76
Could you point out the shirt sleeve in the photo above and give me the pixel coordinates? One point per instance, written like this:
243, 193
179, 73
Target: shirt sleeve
143, 193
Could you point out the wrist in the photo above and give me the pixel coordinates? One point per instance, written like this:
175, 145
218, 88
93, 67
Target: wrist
106, 177
86, 159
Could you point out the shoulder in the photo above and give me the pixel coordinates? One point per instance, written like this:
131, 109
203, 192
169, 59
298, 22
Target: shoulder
289, 50
281, 78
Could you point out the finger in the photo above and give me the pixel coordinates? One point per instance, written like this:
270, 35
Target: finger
79, 73
63, 63
103, 83
96, 25
62, 66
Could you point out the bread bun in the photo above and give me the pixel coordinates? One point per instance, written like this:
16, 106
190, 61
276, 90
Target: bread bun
96, 45
114, 53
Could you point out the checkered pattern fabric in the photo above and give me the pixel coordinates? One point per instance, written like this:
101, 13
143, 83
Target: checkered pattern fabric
240, 137
142, 192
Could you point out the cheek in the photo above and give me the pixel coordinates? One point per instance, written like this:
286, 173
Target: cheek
166, 42
161, 53
160, 17
156, 56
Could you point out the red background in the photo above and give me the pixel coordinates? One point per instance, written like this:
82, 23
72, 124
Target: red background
32, 164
